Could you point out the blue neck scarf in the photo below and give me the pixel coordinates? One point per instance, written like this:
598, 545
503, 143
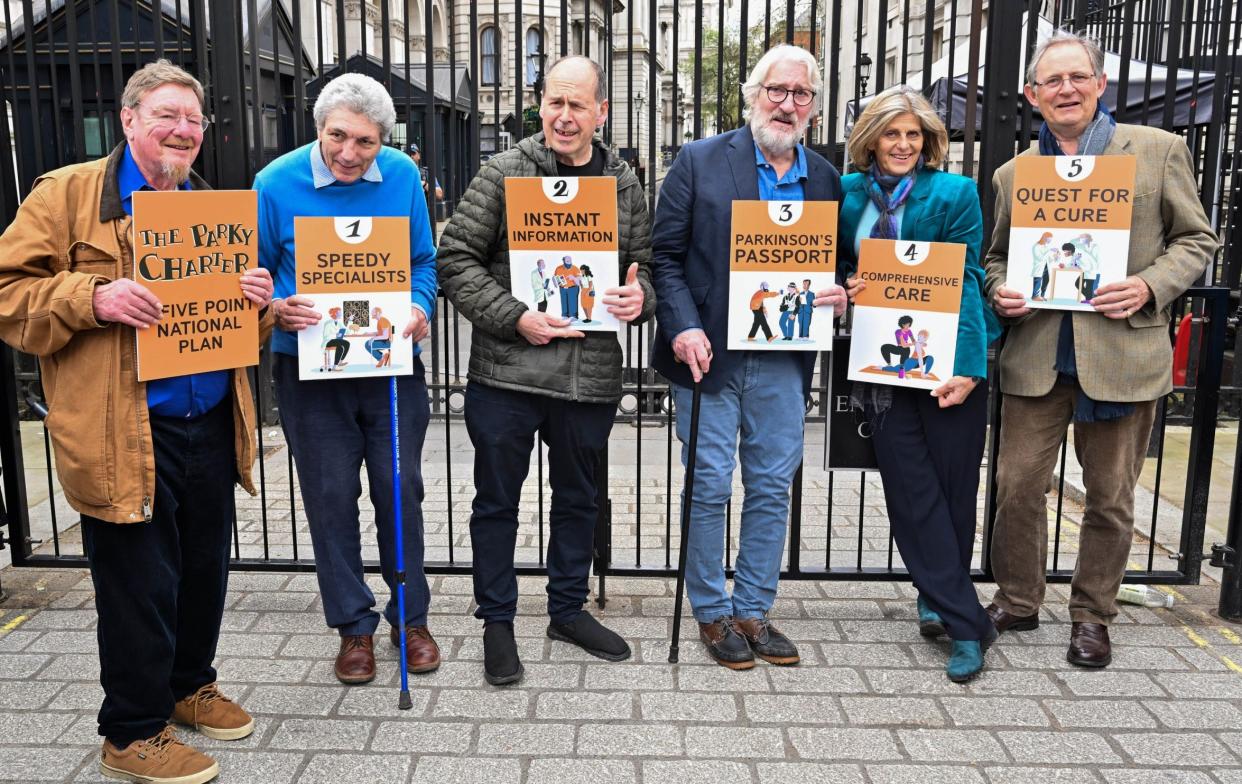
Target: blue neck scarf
888, 192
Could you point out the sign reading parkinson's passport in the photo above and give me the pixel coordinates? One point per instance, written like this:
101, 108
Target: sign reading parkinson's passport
780, 254
190, 250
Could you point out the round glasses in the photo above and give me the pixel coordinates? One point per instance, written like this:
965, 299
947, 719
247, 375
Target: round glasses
800, 97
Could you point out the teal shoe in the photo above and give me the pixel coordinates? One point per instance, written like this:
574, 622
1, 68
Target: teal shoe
930, 622
966, 657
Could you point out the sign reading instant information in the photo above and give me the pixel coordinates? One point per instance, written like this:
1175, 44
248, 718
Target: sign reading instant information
905, 320
190, 250
563, 241
357, 272
780, 254
1070, 227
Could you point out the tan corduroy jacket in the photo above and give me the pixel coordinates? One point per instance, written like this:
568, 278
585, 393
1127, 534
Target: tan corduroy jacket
71, 234
1171, 243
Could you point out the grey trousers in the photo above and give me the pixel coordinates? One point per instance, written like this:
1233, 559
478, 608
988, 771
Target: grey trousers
1111, 455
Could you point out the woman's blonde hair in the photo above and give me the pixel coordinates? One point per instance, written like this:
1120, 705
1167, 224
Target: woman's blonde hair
885, 108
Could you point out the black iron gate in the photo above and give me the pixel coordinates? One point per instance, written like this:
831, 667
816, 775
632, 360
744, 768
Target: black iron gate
466, 79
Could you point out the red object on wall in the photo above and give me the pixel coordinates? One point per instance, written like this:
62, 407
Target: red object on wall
1181, 351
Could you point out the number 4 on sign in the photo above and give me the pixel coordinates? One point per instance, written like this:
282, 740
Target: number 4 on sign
912, 253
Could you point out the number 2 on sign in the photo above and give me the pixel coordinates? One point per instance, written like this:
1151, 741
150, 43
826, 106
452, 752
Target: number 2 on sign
560, 189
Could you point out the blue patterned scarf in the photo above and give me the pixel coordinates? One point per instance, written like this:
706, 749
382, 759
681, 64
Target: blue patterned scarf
888, 192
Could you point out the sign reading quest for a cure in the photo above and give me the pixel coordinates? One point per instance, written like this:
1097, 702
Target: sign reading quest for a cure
780, 254
905, 320
357, 272
563, 240
1070, 227
190, 250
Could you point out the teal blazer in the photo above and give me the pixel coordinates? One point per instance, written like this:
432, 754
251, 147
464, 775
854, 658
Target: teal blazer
943, 207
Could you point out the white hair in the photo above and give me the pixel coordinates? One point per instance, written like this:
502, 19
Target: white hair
779, 54
360, 94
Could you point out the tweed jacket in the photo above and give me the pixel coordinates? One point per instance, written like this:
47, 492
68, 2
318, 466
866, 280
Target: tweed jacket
1171, 243
473, 263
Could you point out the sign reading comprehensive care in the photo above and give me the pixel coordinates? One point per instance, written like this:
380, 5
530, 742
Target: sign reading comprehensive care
190, 250
780, 254
905, 321
1070, 227
563, 247
357, 272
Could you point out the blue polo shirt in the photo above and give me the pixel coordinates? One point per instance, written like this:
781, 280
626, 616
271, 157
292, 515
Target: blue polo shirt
788, 187
180, 396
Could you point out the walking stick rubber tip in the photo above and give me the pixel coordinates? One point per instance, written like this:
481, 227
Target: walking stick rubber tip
404, 702
672, 654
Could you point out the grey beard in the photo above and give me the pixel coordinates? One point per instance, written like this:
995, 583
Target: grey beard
177, 174
770, 140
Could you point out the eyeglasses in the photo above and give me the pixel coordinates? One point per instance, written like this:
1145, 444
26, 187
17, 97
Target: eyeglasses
800, 97
169, 119
1053, 83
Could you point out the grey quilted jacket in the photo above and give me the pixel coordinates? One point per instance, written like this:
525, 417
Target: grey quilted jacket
473, 263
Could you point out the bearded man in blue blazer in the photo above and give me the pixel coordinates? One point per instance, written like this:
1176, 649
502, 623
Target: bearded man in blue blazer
759, 395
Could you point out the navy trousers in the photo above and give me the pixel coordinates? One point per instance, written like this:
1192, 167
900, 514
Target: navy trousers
929, 460
160, 585
333, 427
502, 425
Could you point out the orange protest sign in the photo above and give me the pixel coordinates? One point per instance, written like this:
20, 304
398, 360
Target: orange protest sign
923, 276
565, 213
190, 249
351, 255
1083, 192
783, 236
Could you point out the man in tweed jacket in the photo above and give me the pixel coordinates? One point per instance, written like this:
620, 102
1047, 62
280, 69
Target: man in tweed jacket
1105, 371
532, 372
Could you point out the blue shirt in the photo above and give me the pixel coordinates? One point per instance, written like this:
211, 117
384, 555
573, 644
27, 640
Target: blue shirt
788, 187
179, 396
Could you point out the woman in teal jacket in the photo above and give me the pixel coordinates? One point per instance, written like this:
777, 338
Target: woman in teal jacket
929, 446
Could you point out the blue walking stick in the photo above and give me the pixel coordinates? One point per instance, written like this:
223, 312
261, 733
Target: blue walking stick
692, 448
403, 702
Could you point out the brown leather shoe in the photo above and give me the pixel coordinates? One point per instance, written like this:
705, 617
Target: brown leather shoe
1089, 645
160, 759
213, 714
766, 641
422, 654
355, 662
1006, 621
725, 645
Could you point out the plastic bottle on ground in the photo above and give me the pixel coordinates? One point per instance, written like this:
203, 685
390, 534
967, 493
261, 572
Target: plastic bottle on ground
1144, 595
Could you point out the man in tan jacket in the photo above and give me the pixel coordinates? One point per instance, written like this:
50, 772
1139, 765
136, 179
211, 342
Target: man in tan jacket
150, 466
1105, 371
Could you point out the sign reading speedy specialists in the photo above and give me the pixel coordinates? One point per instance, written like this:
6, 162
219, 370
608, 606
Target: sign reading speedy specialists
1070, 227
190, 250
563, 240
356, 270
905, 320
780, 254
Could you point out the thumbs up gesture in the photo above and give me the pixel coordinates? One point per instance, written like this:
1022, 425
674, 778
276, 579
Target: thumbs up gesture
626, 302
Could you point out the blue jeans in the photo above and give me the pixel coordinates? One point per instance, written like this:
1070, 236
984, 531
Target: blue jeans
569, 302
333, 427
787, 324
376, 347
762, 403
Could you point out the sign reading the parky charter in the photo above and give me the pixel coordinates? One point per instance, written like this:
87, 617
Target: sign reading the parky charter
780, 254
356, 271
190, 250
1069, 228
563, 241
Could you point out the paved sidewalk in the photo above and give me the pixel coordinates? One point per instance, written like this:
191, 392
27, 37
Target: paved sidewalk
870, 703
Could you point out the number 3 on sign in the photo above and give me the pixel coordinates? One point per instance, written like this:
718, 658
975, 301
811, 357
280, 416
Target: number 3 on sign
912, 253
784, 213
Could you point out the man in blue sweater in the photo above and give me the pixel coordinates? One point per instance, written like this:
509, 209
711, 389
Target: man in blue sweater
332, 427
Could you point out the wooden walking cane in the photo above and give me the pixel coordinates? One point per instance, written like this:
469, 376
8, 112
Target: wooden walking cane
403, 701
686, 504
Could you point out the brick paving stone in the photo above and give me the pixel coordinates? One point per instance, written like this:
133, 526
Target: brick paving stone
65, 642
1139, 776
560, 771
1225, 686
803, 772
802, 680
846, 654
343, 734
695, 772
41, 763
843, 743
278, 602
1110, 684
951, 745
923, 774
1125, 714
1233, 740
423, 737
683, 706
735, 742
526, 739
791, 709
21, 665
17, 640
609, 677
714, 678
530, 649
34, 728
61, 619
585, 705
893, 711
488, 704
1196, 714
78, 696
83, 732
371, 768
837, 609
1013, 682
293, 700
263, 670
373, 701
66, 667
27, 695
1180, 749
249, 644
1228, 775
1036, 747
1029, 775
629, 740
258, 767
995, 711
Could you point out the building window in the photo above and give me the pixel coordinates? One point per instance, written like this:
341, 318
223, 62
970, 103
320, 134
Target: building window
490, 48
534, 49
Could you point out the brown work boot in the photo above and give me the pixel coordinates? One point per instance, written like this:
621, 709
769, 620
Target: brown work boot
422, 654
213, 714
162, 759
355, 662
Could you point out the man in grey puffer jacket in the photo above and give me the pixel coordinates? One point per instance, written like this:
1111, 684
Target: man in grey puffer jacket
532, 372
